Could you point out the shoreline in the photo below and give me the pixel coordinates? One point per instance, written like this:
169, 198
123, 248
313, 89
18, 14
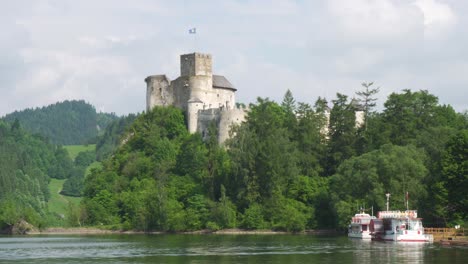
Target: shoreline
98, 231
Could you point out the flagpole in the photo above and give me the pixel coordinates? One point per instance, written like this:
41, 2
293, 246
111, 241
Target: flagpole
193, 31
407, 201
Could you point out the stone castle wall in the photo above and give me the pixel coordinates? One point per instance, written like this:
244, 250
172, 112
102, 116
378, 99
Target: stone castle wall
222, 118
227, 118
203, 96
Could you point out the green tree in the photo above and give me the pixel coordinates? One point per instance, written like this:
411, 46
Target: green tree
408, 113
192, 159
113, 135
264, 159
223, 213
66, 123
310, 139
219, 165
342, 132
85, 158
455, 176
253, 217
289, 107
367, 99
364, 180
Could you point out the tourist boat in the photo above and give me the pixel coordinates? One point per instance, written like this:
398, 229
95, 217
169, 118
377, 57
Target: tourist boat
398, 226
359, 227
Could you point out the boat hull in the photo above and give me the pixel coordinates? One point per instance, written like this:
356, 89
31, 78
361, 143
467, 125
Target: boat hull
359, 227
399, 227
403, 236
363, 235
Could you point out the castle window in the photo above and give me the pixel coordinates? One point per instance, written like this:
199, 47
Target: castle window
218, 95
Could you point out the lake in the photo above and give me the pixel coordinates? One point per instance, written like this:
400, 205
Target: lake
219, 249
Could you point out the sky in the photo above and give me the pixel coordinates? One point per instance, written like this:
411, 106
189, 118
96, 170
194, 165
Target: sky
102, 50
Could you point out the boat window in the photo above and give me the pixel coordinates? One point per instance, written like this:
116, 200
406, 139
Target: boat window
364, 227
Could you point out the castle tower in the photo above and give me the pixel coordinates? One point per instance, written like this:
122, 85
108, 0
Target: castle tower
204, 97
196, 68
158, 91
194, 64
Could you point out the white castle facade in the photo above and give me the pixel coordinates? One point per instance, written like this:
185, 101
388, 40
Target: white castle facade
205, 97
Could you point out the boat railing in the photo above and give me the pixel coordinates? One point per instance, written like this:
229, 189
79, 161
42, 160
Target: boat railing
445, 232
398, 214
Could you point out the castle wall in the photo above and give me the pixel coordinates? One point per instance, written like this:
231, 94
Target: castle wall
360, 116
205, 118
181, 92
227, 119
220, 98
158, 91
194, 93
193, 108
195, 64
199, 86
223, 118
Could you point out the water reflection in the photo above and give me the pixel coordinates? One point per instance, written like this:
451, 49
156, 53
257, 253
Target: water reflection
388, 252
218, 249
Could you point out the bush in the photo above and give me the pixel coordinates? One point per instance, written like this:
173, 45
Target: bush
253, 217
212, 226
224, 211
291, 216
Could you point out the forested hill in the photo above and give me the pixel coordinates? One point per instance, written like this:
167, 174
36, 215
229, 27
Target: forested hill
26, 163
112, 135
282, 171
66, 123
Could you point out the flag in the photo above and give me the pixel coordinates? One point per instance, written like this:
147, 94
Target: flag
192, 31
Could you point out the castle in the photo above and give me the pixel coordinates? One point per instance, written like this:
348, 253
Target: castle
205, 97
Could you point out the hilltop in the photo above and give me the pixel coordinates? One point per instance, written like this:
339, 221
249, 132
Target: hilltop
66, 123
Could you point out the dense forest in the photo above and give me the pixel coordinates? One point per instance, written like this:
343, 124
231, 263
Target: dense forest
112, 135
289, 166
65, 123
27, 162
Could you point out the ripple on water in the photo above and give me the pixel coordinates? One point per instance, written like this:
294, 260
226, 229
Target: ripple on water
211, 249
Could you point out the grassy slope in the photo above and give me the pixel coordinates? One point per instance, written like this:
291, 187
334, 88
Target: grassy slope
73, 150
59, 203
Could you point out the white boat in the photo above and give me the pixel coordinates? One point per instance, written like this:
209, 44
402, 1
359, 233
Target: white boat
399, 226
359, 227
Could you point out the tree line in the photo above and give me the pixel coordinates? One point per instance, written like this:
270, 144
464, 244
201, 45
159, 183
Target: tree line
66, 123
27, 163
290, 166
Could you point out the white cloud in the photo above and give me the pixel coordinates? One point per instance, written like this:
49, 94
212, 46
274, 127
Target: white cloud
262, 7
101, 51
438, 17
375, 19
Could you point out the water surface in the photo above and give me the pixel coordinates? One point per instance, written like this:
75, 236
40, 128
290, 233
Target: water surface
219, 249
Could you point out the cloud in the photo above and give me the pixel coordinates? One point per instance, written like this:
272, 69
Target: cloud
101, 51
438, 17
383, 19
262, 7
